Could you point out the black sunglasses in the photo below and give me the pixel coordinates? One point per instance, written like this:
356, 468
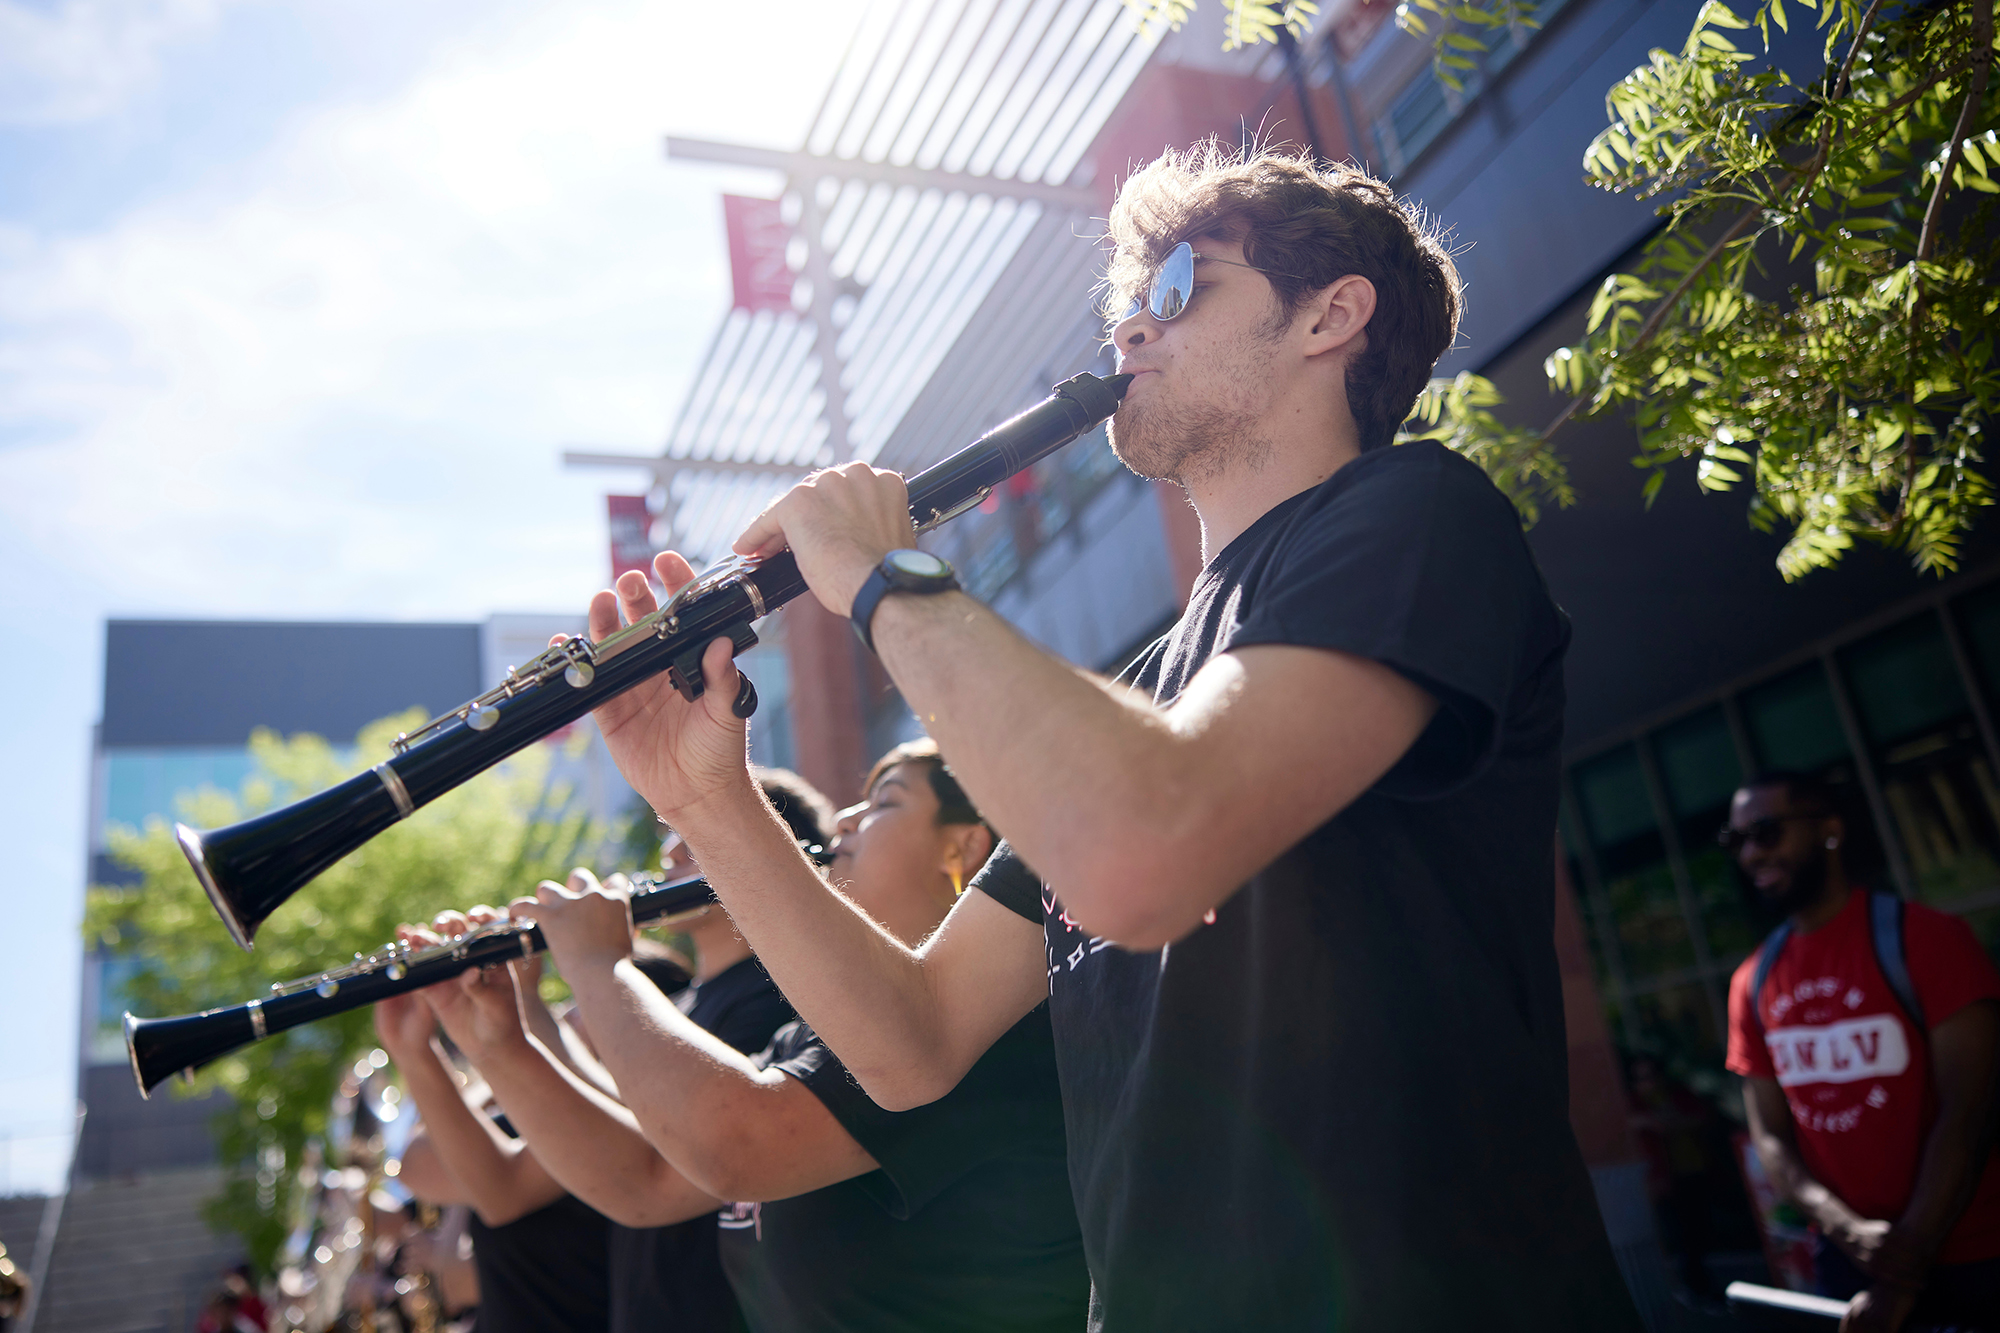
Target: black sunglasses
1763, 834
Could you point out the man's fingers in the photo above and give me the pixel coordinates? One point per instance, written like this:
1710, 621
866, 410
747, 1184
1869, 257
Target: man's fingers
635, 596
719, 678
581, 881
603, 616
482, 913
765, 536
522, 909
673, 570
450, 923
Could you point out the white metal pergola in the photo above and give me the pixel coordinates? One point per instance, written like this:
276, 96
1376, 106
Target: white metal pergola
942, 206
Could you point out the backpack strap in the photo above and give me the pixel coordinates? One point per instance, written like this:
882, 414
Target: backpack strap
1767, 958
1885, 919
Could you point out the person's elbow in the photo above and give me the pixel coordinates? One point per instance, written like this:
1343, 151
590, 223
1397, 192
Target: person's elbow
910, 1083
1142, 895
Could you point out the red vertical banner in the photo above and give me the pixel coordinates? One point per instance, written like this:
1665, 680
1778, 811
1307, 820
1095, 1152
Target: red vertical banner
631, 534
758, 238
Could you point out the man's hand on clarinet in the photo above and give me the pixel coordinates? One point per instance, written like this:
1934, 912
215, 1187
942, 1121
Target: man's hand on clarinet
674, 753
478, 1008
588, 925
839, 524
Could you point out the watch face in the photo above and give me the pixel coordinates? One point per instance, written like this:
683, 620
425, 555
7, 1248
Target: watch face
918, 564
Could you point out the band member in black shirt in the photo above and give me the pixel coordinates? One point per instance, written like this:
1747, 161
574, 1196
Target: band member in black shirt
1292, 892
836, 1215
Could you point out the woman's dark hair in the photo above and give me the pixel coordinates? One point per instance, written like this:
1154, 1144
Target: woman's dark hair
954, 806
802, 806
1305, 227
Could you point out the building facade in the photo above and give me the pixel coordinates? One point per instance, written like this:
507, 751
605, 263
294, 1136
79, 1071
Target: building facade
181, 699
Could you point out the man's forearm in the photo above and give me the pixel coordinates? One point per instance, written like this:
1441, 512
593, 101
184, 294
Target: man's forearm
591, 1145
865, 993
477, 1155
1002, 711
684, 1086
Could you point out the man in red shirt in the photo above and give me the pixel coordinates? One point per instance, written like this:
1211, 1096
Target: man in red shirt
1872, 1120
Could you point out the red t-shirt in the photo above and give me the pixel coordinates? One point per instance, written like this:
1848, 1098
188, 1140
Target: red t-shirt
1854, 1069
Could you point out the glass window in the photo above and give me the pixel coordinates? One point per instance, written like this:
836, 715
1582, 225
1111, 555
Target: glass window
1979, 615
1698, 763
1678, 1024
1699, 767
1793, 723
1632, 863
140, 784
1937, 779
1904, 681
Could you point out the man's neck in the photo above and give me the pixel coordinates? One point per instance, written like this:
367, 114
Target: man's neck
1824, 908
1303, 450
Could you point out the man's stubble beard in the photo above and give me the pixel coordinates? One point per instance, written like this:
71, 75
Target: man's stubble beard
1808, 883
1183, 446
1188, 444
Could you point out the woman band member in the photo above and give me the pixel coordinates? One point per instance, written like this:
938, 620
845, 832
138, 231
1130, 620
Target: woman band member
835, 1214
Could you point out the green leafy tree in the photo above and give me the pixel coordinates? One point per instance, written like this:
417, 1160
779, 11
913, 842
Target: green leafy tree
488, 841
1855, 402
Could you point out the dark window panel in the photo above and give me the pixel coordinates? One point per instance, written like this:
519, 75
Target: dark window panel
1646, 913
1698, 764
1979, 615
1612, 790
1793, 723
1904, 680
1677, 1024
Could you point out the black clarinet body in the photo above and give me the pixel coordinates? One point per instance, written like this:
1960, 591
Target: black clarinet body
162, 1047
250, 868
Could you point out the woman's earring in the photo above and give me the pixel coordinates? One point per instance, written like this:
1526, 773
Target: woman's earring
1832, 844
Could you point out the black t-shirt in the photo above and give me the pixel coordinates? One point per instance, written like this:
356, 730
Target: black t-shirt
1343, 1103
547, 1272
967, 1228
671, 1277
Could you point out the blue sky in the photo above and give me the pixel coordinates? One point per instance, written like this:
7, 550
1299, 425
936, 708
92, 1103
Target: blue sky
300, 301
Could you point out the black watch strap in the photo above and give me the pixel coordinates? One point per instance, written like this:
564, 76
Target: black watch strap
894, 574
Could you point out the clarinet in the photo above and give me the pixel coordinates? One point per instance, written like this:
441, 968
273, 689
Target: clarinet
249, 869
161, 1047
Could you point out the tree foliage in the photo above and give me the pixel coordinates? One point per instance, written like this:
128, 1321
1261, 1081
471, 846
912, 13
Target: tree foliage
1856, 402
487, 841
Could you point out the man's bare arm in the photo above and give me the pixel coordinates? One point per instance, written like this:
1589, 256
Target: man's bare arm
1965, 1049
734, 1130
1775, 1138
499, 1176
588, 1143
1145, 819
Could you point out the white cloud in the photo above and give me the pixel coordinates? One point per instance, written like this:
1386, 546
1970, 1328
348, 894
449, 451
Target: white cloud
80, 59
326, 383
335, 379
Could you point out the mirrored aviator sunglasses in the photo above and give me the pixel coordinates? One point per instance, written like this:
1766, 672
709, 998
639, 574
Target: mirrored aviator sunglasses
1167, 295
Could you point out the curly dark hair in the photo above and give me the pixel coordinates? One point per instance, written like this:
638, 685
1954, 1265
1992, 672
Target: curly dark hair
1305, 226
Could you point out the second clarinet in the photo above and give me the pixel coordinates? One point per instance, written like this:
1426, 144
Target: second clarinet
161, 1047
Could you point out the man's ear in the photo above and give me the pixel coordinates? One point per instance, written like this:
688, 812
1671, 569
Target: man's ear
1340, 315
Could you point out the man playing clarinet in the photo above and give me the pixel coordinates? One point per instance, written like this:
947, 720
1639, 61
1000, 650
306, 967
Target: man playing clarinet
1292, 888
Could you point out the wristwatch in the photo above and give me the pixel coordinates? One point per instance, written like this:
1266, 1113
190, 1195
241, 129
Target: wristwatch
900, 571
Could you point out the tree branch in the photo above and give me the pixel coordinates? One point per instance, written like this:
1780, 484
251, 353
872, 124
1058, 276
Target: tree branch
1968, 116
1666, 305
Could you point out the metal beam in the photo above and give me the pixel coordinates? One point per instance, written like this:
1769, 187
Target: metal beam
664, 467
810, 166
